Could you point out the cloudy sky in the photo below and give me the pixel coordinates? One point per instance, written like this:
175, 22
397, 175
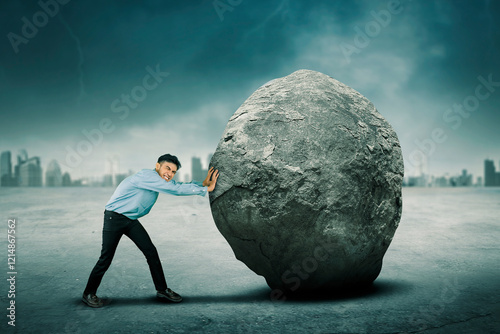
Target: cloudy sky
142, 78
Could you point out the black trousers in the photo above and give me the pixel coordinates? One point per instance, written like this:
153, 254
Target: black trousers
116, 225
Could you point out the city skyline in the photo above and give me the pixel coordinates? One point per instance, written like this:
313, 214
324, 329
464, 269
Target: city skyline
112, 176
474, 166
23, 174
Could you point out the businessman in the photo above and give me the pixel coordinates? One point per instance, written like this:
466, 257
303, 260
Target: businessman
133, 198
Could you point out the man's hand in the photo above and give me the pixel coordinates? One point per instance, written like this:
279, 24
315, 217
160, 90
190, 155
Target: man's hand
212, 180
206, 182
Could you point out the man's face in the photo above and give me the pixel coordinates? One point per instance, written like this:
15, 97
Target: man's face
166, 170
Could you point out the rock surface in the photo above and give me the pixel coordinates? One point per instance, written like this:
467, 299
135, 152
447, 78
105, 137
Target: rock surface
309, 193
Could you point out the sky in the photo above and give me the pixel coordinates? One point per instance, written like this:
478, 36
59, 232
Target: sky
86, 82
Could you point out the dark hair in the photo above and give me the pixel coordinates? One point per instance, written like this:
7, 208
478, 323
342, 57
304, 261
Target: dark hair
169, 158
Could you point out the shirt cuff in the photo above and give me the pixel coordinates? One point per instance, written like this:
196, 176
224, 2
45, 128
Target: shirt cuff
204, 191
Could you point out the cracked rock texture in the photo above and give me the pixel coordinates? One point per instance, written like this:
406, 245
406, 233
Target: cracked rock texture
309, 193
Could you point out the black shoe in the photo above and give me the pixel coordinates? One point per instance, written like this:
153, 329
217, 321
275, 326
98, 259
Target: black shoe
92, 300
169, 295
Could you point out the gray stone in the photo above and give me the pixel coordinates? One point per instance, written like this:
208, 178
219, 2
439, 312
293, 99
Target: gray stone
309, 193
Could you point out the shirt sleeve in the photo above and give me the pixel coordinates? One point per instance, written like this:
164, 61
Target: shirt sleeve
150, 180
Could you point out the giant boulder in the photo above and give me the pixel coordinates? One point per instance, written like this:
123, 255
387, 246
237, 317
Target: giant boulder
309, 193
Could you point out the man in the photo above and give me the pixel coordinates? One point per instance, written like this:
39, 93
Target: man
133, 198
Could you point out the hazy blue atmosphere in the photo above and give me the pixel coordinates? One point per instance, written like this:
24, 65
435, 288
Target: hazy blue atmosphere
71, 68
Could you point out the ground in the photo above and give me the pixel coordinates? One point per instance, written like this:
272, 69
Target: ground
440, 274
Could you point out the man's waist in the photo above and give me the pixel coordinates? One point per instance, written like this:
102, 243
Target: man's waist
114, 213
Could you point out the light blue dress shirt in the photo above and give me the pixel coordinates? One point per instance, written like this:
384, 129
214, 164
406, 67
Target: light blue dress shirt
135, 196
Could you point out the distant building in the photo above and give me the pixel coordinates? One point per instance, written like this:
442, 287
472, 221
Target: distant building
112, 168
77, 183
5, 167
119, 178
491, 177
479, 181
53, 175
197, 172
441, 181
6, 177
497, 178
464, 180
66, 180
30, 173
108, 180
416, 181
22, 156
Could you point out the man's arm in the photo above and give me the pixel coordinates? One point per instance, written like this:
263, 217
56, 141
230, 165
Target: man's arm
209, 182
150, 180
205, 182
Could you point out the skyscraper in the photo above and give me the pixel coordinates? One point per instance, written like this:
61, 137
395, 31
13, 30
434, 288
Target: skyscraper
112, 171
22, 156
66, 180
489, 173
6, 178
53, 175
196, 170
30, 172
497, 178
465, 180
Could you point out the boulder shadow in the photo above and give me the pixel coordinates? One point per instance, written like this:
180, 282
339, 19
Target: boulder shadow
376, 289
264, 294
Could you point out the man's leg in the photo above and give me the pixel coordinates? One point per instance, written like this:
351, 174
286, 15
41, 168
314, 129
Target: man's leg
111, 235
141, 238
